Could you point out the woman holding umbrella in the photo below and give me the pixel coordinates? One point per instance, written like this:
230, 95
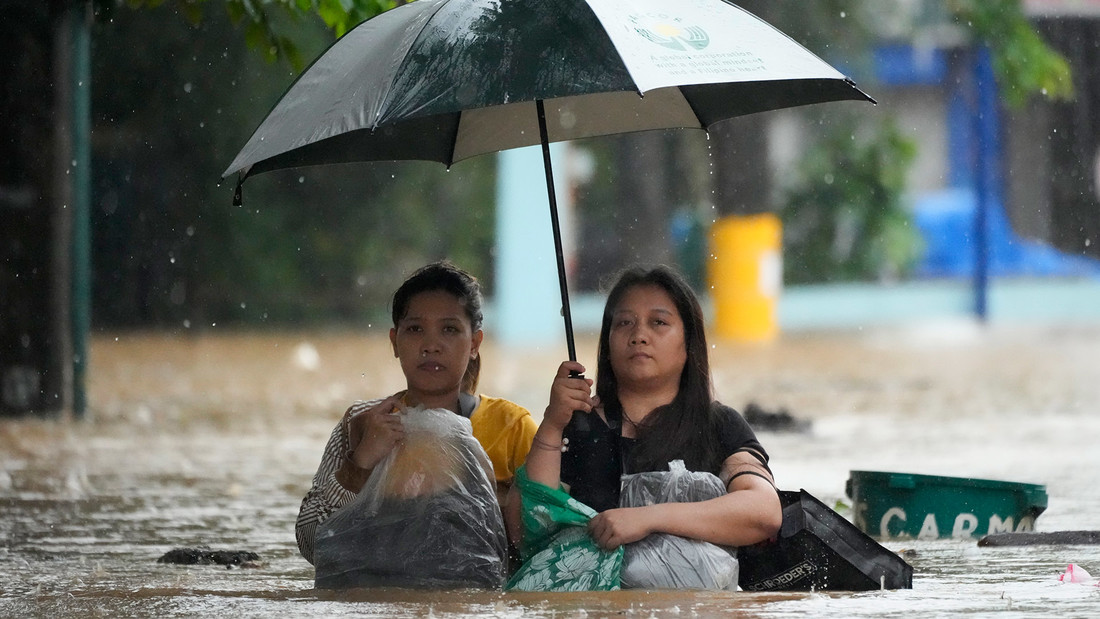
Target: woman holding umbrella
436, 336
653, 405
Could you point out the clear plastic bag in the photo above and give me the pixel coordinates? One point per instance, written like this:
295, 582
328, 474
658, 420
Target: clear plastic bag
663, 561
427, 517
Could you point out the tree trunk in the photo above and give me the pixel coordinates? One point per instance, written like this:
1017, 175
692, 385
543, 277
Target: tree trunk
742, 180
643, 207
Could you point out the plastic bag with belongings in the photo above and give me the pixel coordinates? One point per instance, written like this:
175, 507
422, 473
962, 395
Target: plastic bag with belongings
427, 517
664, 561
558, 554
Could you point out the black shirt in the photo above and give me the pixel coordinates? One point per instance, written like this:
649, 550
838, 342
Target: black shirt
594, 461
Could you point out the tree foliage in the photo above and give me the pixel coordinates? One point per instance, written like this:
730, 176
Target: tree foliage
326, 244
844, 218
269, 25
1024, 63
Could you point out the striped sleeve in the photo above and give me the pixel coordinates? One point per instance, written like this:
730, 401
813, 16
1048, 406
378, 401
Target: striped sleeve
326, 495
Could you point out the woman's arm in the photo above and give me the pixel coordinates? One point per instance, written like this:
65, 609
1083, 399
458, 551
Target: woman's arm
357, 443
750, 512
326, 495
567, 394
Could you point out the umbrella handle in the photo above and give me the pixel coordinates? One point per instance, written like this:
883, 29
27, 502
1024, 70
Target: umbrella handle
562, 284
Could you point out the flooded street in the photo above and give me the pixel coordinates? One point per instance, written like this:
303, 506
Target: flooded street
211, 440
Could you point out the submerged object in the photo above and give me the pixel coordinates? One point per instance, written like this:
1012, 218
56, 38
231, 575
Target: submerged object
206, 556
1051, 538
909, 506
818, 549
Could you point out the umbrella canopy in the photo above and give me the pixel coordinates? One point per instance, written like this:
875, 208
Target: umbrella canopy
445, 80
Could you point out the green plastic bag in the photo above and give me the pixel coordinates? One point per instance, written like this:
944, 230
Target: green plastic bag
558, 554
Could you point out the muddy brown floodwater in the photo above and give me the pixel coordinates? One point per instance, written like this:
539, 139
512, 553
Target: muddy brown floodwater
211, 439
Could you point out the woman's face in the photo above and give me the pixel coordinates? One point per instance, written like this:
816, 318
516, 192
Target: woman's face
435, 342
646, 340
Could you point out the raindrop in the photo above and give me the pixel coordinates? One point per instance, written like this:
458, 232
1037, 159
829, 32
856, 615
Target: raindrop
243, 305
202, 125
190, 230
74, 163
213, 324
828, 179
301, 179
172, 260
187, 87
843, 14
186, 324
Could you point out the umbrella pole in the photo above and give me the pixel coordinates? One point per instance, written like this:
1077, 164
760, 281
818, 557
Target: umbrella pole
566, 315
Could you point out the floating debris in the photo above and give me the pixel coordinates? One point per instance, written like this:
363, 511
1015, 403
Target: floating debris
205, 556
1052, 538
777, 421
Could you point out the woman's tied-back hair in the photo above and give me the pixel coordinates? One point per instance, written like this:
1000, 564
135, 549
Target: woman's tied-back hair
685, 428
448, 278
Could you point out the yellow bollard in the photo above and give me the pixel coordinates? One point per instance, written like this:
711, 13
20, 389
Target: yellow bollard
746, 275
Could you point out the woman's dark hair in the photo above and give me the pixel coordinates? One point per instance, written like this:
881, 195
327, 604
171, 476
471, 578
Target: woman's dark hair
448, 278
684, 429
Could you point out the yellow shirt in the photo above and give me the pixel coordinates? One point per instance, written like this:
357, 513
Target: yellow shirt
505, 429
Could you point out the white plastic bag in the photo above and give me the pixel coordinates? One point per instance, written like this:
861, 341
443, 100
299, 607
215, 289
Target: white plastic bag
663, 561
427, 517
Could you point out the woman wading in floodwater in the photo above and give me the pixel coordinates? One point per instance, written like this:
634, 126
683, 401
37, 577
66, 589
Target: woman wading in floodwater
653, 405
436, 336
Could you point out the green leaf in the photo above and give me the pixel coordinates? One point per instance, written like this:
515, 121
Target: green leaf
292, 54
192, 12
256, 35
235, 11
1024, 64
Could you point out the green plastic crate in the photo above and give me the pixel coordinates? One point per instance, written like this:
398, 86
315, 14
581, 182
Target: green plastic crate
909, 506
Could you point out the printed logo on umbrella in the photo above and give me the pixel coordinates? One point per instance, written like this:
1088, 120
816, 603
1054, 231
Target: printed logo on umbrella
670, 33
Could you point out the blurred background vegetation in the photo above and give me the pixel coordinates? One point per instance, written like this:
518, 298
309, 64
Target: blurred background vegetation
179, 85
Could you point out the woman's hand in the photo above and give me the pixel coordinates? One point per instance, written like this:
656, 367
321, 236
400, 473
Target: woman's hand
568, 394
374, 433
615, 527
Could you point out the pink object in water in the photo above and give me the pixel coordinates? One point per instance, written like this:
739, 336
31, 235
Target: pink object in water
1076, 574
